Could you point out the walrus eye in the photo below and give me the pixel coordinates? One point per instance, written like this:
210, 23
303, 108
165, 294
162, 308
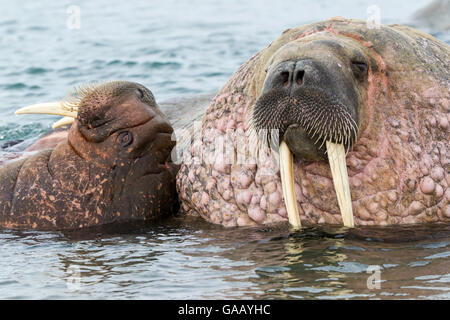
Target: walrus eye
359, 69
125, 139
140, 93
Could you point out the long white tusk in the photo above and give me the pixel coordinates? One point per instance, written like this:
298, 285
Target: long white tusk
336, 157
287, 182
55, 108
62, 122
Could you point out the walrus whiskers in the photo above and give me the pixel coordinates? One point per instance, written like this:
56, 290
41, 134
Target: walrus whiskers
328, 123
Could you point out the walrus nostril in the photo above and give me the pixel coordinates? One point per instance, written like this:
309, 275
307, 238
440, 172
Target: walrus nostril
298, 77
285, 77
289, 74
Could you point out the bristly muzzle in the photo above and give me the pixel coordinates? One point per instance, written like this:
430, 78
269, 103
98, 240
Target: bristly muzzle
323, 117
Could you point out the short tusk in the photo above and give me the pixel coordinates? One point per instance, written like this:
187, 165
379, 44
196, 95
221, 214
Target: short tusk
62, 122
336, 157
287, 182
55, 108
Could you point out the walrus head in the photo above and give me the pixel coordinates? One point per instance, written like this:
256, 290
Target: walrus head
118, 151
120, 121
312, 96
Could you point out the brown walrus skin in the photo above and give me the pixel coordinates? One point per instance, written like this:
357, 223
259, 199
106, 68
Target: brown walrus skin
114, 167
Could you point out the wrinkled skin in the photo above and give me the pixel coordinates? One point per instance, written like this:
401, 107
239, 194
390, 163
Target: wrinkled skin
114, 167
398, 165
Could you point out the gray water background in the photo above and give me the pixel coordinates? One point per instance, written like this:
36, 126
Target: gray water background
179, 48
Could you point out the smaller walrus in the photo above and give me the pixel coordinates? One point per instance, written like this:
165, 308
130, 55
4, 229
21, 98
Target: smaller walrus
114, 166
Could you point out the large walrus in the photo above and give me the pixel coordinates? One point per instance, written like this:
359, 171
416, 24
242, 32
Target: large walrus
361, 115
114, 166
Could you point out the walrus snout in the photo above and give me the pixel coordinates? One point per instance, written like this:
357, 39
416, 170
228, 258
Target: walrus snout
296, 137
288, 74
309, 101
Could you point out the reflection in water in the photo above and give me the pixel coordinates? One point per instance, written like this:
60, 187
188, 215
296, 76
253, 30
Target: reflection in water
188, 258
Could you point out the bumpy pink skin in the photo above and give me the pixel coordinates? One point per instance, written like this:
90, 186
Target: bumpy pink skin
398, 169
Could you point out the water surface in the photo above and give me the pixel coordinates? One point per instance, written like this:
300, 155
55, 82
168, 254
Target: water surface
191, 259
